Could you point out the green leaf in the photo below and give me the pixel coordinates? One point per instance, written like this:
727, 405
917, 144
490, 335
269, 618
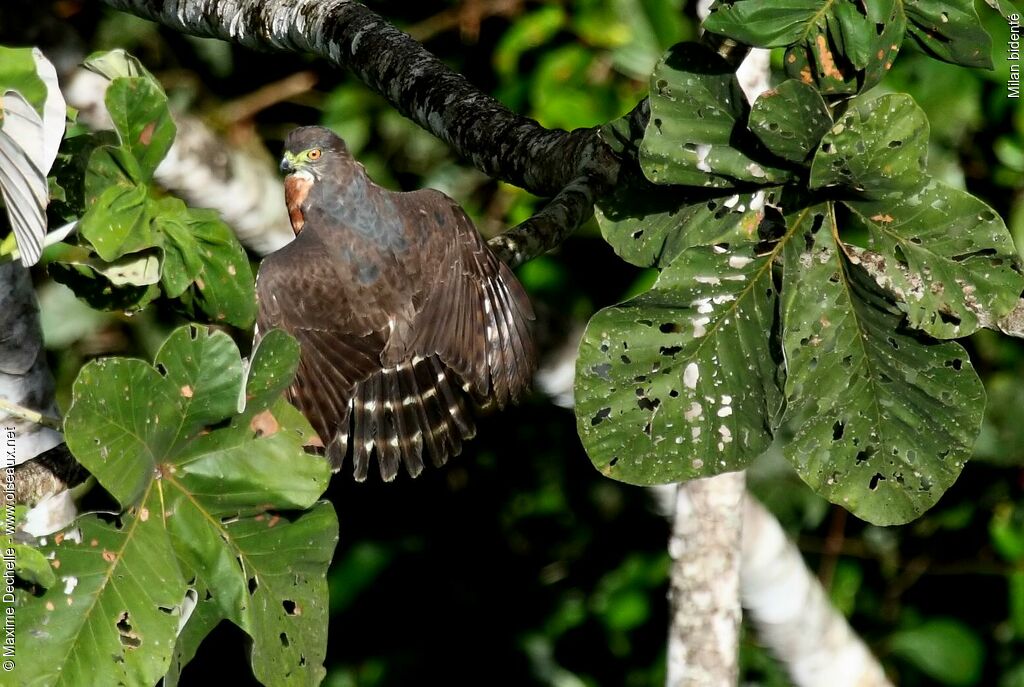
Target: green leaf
288, 608
170, 436
124, 438
119, 436
840, 46
950, 30
883, 421
790, 119
206, 371
108, 166
114, 64
138, 108
30, 565
944, 649
947, 255
696, 135
87, 278
119, 222
649, 225
112, 617
878, 147
680, 382
204, 265
274, 362
18, 73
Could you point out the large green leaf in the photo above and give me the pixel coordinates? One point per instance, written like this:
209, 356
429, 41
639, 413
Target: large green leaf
878, 147
946, 254
112, 618
950, 30
218, 491
790, 119
883, 421
697, 131
681, 381
841, 46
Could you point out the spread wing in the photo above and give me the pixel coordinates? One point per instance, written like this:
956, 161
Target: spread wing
476, 316
340, 342
386, 364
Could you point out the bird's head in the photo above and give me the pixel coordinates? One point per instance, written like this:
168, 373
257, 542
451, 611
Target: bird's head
310, 151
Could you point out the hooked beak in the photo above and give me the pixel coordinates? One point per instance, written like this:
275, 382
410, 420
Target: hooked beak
287, 163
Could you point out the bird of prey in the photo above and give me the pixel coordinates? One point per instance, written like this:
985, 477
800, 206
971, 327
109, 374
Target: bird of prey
403, 315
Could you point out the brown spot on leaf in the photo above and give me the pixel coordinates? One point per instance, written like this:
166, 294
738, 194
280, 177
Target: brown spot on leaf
828, 64
49, 605
143, 514
94, 542
200, 283
231, 270
58, 538
264, 424
805, 75
146, 137
882, 218
315, 441
274, 519
55, 563
109, 556
186, 391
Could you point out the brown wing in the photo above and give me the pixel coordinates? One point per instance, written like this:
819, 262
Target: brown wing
476, 317
383, 363
340, 343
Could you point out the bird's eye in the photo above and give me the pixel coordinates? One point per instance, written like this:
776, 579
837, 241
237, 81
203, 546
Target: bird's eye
314, 154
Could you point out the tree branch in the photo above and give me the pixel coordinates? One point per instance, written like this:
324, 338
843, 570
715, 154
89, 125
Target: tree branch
704, 627
497, 141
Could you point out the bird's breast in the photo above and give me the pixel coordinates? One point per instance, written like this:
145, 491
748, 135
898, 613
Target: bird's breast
296, 188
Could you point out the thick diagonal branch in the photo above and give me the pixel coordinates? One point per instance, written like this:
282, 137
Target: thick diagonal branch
499, 142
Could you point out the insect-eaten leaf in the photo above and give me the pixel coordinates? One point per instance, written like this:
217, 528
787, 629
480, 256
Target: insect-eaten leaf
681, 381
697, 132
883, 419
838, 46
208, 498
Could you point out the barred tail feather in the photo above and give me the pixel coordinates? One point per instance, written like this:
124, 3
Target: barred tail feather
402, 410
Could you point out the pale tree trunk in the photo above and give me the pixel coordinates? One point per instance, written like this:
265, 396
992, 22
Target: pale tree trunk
705, 582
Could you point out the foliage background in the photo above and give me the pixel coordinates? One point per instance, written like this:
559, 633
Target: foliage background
520, 563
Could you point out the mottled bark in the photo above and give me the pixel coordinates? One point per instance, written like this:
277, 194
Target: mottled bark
496, 140
705, 609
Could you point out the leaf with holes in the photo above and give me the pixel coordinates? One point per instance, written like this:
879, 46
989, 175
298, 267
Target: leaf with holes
945, 254
681, 381
878, 147
696, 135
168, 439
113, 614
790, 120
649, 224
883, 421
950, 30
129, 421
840, 46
